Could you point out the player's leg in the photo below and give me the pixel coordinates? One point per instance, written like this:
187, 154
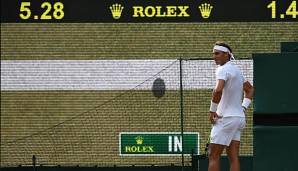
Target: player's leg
220, 137
233, 149
214, 151
216, 146
233, 153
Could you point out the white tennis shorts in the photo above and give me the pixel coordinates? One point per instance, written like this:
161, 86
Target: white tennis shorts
227, 129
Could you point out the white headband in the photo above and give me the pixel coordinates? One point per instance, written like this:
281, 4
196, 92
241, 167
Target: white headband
224, 49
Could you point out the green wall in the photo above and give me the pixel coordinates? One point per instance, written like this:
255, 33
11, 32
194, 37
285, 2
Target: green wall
275, 82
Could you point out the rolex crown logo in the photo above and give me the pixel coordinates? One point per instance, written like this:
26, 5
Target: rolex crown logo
116, 10
205, 10
139, 140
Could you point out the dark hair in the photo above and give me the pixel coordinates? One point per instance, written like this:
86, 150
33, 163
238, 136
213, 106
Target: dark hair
221, 43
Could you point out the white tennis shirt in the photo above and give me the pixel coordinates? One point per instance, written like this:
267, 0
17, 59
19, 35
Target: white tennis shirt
231, 99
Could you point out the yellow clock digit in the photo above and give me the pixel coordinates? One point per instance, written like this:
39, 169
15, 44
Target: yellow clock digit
292, 10
45, 15
272, 5
58, 10
25, 9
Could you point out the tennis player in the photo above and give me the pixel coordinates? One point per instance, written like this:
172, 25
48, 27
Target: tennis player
226, 110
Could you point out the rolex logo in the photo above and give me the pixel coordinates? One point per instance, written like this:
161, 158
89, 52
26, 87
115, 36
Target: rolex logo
139, 140
205, 10
116, 10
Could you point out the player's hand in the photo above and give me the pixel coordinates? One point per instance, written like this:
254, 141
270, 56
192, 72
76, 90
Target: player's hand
213, 117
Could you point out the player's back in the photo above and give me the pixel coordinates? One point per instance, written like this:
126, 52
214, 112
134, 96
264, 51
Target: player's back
230, 103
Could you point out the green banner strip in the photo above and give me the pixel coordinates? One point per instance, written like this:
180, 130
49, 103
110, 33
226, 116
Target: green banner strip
158, 143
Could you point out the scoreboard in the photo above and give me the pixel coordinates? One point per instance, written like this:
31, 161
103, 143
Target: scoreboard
136, 11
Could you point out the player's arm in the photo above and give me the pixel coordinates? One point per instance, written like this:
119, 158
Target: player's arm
216, 96
217, 92
248, 94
